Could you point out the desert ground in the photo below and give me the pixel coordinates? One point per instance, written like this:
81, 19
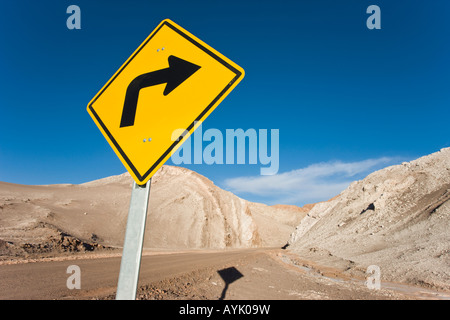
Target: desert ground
236, 274
204, 243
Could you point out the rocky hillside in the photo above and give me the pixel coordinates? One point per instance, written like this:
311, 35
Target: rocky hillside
397, 218
186, 210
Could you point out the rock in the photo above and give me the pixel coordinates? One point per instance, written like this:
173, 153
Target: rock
409, 202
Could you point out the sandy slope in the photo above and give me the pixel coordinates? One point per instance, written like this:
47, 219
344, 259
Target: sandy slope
186, 210
397, 218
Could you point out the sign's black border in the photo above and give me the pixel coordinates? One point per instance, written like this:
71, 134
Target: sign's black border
199, 117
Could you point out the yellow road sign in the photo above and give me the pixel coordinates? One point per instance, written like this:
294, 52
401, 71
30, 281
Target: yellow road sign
172, 81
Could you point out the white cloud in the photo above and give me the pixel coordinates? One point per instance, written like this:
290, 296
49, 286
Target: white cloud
314, 183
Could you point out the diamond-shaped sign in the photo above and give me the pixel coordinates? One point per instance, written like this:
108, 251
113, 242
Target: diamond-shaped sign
172, 81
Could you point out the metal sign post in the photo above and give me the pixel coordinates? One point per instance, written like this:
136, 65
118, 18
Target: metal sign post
133, 244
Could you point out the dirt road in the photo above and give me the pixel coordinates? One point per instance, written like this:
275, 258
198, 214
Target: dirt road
47, 280
235, 274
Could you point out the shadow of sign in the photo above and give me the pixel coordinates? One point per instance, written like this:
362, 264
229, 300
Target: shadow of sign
228, 275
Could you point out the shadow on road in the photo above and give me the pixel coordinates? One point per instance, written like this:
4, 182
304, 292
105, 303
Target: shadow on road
229, 275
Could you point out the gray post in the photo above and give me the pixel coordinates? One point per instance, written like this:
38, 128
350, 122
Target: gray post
134, 240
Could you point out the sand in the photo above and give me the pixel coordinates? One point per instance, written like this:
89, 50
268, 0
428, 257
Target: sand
397, 218
186, 211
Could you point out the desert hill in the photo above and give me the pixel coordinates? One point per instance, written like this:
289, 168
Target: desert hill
186, 211
397, 218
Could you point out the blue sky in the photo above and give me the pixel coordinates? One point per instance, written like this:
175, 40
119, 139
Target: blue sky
340, 94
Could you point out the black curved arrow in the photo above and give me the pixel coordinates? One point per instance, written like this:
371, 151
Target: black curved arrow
177, 72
